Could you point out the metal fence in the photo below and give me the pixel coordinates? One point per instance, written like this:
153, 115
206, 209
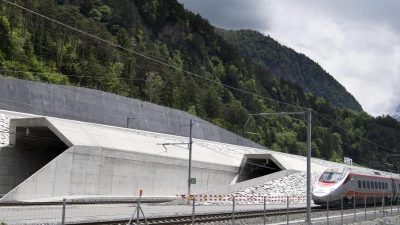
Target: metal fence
245, 209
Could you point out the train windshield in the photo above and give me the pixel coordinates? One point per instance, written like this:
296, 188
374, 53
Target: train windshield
330, 176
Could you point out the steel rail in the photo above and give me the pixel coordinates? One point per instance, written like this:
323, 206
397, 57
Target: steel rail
206, 218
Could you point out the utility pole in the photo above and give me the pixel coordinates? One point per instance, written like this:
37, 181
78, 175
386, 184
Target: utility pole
308, 115
189, 144
190, 158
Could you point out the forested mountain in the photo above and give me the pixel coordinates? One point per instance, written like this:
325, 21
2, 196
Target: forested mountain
396, 114
35, 48
289, 65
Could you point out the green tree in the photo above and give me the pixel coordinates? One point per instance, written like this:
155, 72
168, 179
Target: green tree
154, 85
212, 103
5, 36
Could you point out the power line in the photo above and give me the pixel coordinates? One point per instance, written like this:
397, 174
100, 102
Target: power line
172, 67
70, 75
361, 137
148, 57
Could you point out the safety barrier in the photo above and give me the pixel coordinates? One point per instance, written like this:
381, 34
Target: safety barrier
245, 199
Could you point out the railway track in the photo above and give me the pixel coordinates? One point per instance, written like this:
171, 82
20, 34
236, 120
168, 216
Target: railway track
219, 217
206, 218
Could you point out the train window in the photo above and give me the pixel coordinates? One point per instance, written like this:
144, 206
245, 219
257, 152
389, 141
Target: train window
368, 185
332, 177
372, 185
376, 185
363, 184
380, 185
386, 185
359, 184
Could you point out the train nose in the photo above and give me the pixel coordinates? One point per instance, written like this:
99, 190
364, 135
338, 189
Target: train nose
320, 194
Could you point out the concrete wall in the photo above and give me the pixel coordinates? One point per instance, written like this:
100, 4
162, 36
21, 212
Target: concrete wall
98, 171
104, 108
17, 164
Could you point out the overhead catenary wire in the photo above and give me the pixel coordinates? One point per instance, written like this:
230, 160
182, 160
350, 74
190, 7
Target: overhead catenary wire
344, 129
171, 66
150, 58
71, 75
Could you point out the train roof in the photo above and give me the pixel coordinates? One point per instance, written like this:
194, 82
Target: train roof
371, 172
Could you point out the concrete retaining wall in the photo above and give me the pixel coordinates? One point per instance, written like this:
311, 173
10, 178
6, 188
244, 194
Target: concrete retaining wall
98, 171
99, 107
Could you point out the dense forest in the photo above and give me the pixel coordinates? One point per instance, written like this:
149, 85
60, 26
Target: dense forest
36, 48
289, 65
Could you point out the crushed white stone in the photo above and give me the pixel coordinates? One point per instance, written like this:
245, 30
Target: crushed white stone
275, 191
4, 129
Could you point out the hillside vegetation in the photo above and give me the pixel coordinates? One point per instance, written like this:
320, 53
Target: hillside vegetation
289, 65
35, 48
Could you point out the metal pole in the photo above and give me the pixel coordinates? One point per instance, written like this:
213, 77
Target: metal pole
398, 201
383, 206
354, 203
233, 211
308, 113
374, 206
327, 210
287, 210
365, 207
193, 210
190, 158
63, 211
245, 124
265, 211
341, 208
138, 210
391, 205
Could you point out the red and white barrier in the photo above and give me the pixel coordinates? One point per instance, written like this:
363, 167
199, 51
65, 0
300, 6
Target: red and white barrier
245, 199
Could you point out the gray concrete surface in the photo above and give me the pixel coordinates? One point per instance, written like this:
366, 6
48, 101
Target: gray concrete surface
16, 165
100, 107
98, 171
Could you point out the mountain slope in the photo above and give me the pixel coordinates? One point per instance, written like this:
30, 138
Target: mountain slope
35, 48
396, 114
289, 65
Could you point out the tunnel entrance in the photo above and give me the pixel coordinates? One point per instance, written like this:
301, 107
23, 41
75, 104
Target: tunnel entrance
34, 147
257, 165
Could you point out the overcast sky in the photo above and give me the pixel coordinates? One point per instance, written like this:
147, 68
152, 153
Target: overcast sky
356, 41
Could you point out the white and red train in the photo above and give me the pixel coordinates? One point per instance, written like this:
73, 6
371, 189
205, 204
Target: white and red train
349, 183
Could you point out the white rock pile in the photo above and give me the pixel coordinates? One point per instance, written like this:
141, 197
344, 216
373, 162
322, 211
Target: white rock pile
292, 185
4, 129
275, 191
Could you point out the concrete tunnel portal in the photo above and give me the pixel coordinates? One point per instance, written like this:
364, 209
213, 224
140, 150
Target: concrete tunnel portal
31, 149
36, 146
258, 165
38, 151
